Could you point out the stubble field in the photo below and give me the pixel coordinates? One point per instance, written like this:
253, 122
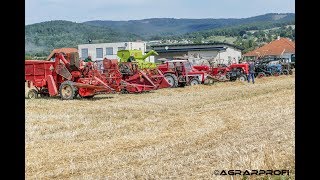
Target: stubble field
182, 133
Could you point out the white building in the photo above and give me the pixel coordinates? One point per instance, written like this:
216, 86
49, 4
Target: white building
109, 50
222, 53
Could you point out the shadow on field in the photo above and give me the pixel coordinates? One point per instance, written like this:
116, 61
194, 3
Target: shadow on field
77, 98
94, 98
145, 92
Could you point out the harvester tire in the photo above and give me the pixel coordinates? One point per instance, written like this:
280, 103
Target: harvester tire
67, 90
172, 80
32, 94
242, 78
194, 81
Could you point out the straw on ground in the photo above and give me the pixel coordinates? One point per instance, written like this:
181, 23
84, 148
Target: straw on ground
182, 133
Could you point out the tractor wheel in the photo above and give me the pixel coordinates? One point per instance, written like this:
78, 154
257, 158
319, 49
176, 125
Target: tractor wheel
67, 90
172, 80
290, 72
275, 74
233, 78
211, 81
228, 76
32, 94
194, 81
242, 78
261, 74
285, 72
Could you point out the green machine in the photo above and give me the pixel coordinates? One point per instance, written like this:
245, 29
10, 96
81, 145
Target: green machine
137, 57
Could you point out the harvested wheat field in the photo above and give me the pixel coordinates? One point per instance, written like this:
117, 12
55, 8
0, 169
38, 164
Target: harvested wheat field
182, 133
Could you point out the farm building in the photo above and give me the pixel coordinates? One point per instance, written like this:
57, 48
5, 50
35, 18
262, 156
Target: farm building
279, 48
108, 50
224, 53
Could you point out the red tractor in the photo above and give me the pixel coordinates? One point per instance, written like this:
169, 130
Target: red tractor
226, 73
181, 73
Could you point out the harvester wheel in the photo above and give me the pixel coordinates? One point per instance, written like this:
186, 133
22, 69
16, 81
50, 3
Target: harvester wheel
242, 78
194, 81
172, 80
32, 94
67, 90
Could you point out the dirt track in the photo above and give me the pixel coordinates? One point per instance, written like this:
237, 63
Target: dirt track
169, 133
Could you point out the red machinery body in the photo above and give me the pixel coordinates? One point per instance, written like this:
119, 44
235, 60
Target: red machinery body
226, 73
65, 77
134, 80
181, 73
135, 83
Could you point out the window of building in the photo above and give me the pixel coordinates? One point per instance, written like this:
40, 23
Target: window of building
99, 52
109, 51
121, 48
84, 53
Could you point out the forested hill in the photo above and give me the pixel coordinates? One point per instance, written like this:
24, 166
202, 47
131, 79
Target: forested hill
43, 37
149, 28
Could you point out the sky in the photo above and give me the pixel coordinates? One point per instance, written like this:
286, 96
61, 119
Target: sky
86, 10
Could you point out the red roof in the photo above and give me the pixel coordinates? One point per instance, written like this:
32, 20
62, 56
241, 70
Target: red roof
64, 50
274, 48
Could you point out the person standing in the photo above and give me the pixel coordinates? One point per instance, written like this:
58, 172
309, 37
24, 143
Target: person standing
251, 72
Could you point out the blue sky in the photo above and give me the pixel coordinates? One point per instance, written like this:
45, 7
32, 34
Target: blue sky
86, 10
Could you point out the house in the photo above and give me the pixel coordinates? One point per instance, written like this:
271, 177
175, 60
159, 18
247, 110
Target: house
277, 49
223, 53
109, 50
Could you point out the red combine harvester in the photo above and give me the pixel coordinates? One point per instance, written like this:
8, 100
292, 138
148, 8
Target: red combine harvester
226, 73
181, 73
64, 77
136, 70
130, 81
